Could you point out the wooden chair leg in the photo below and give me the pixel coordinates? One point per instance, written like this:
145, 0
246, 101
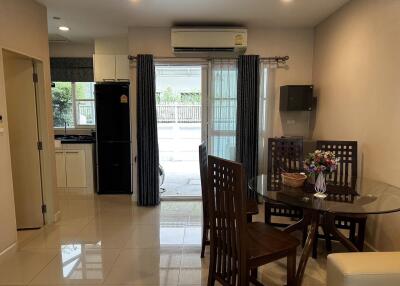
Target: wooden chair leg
204, 241
304, 238
352, 234
254, 273
291, 269
328, 240
361, 235
249, 218
267, 214
253, 278
211, 270
315, 245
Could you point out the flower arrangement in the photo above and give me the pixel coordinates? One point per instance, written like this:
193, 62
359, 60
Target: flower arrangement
319, 162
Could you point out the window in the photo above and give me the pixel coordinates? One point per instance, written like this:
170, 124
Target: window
73, 104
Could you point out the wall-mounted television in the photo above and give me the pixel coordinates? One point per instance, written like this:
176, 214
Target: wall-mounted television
296, 98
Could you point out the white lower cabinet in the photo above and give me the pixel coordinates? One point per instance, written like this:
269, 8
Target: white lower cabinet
74, 167
60, 170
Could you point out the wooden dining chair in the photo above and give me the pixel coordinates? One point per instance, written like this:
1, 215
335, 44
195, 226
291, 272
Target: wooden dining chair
238, 248
344, 181
204, 195
284, 155
251, 203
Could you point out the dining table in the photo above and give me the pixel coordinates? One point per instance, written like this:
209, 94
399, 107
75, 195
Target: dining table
369, 197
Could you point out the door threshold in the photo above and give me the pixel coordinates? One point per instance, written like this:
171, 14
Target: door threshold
181, 198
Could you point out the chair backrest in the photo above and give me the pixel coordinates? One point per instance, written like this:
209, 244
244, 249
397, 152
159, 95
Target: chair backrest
284, 155
346, 151
226, 186
203, 180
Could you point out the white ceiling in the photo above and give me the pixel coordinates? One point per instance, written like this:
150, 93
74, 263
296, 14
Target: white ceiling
89, 19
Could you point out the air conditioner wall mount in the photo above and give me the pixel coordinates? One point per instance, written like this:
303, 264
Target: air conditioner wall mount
209, 41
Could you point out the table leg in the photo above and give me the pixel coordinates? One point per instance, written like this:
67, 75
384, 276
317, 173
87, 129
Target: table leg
314, 221
330, 219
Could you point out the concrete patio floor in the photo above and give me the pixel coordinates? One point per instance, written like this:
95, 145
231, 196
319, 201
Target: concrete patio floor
179, 144
182, 179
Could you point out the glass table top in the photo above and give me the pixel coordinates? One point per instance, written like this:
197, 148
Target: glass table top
374, 197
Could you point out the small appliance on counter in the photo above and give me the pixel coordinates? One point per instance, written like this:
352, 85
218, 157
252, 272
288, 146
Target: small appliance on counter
113, 138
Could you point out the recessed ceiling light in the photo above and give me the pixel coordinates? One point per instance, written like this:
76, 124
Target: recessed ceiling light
287, 1
63, 28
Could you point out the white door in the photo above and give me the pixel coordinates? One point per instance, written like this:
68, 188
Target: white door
60, 170
23, 133
104, 68
75, 166
122, 67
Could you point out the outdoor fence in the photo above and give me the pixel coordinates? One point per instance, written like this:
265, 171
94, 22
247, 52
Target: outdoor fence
179, 113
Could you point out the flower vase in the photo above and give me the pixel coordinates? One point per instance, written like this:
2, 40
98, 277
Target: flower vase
320, 186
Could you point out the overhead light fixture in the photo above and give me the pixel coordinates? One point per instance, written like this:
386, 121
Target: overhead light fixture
63, 28
287, 1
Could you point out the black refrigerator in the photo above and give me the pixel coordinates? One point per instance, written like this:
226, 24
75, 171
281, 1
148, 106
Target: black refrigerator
113, 138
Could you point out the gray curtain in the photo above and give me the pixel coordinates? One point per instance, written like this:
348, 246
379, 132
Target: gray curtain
72, 69
147, 139
247, 114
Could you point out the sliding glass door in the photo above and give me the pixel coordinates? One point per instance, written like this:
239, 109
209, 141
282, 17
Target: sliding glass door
181, 93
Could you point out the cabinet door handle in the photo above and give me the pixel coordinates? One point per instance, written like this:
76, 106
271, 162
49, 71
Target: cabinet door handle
72, 152
108, 79
122, 79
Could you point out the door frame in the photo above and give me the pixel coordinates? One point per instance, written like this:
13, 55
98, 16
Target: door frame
204, 64
35, 69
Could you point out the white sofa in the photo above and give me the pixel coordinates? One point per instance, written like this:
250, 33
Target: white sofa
364, 269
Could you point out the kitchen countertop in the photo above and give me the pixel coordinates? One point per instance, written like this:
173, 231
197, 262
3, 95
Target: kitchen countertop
75, 139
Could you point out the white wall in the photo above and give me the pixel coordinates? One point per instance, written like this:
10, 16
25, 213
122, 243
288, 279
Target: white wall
356, 75
23, 29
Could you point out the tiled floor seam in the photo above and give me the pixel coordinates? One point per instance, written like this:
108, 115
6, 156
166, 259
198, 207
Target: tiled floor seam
43, 268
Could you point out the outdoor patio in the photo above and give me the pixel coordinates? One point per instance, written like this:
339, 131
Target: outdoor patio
178, 144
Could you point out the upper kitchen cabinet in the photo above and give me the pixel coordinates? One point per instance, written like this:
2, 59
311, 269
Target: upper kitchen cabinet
122, 67
111, 68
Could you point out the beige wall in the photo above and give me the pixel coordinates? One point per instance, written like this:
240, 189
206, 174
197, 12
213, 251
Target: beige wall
71, 50
23, 29
111, 45
297, 43
356, 75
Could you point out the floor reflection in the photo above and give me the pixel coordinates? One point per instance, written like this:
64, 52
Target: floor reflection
111, 241
82, 261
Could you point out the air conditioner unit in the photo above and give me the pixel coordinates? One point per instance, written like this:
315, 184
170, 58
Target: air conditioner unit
209, 41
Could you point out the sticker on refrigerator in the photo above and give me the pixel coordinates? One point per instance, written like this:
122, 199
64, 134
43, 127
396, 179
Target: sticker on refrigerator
124, 99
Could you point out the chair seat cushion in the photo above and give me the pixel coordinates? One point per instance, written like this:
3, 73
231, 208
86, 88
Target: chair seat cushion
364, 268
265, 241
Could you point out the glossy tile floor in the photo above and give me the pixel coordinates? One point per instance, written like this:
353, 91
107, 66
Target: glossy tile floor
108, 240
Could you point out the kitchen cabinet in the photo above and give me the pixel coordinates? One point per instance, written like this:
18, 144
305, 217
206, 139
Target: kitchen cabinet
122, 68
60, 170
74, 167
111, 68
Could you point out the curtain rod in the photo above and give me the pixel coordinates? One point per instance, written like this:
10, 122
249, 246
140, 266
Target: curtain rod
276, 59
